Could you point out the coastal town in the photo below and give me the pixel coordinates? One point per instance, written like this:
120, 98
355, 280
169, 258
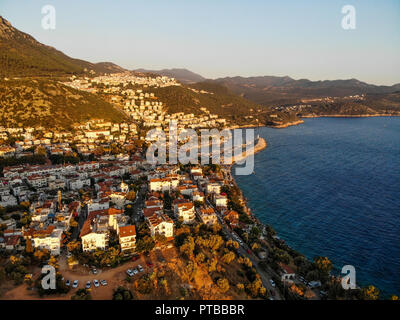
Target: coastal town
194, 161
87, 202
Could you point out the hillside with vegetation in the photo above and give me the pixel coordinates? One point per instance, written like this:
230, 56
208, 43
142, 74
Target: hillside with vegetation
217, 99
47, 103
221, 101
21, 55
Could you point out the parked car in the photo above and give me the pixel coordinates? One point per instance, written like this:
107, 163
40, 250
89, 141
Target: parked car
96, 283
141, 268
94, 271
103, 282
272, 282
130, 272
88, 285
75, 284
67, 283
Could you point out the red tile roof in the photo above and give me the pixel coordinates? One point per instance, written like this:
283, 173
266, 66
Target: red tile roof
127, 231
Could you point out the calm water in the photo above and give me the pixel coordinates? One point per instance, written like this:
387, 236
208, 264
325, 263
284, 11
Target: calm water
331, 187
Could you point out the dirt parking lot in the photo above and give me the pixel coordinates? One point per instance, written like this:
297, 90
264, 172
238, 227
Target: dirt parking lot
114, 276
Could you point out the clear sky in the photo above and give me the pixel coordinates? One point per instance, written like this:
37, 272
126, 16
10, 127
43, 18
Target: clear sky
217, 38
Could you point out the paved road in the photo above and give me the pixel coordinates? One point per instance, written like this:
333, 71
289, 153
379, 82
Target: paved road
139, 204
81, 221
243, 250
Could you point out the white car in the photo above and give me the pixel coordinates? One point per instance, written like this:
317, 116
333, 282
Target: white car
140, 268
88, 285
272, 282
103, 282
75, 284
130, 272
96, 283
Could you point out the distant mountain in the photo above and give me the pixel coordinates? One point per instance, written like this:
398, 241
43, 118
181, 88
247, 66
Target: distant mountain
108, 67
22, 55
182, 75
269, 90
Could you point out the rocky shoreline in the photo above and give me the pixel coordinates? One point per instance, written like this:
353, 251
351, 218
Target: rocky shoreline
351, 115
288, 124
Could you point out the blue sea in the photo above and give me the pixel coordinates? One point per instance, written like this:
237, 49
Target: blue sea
331, 187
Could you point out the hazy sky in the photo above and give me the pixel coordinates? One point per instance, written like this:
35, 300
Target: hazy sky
217, 38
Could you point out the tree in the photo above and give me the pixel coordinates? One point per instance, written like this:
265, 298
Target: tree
73, 245
370, 293
73, 223
2, 211
223, 285
228, 257
82, 294
191, 270
41, 255
323, 264
160, 238
122, 293
254, 287
28, 246
145, 244
131, 196
255, 232
144, 285
255, 246
53, 262
25, 204
28, 279
240, 287
2, 275
232, 244
246, 261
198, 204
394, 297
188, 247
200, 257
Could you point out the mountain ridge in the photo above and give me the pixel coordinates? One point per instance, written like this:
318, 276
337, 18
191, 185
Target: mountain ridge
181, 74
22, 55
